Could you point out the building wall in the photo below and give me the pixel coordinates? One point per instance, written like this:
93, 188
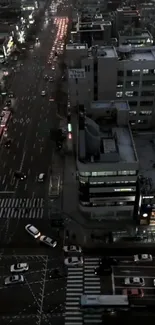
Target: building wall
112, 78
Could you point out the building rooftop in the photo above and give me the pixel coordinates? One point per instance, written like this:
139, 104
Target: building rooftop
145, 147
104, 134
137, 32
76, 46
147, 54
105, 51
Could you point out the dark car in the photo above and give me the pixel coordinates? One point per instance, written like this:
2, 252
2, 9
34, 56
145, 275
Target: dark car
7, 143
19, 175
8, 102
11, 95
57, 274
109, 261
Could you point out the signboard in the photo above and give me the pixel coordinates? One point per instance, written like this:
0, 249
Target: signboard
76, 73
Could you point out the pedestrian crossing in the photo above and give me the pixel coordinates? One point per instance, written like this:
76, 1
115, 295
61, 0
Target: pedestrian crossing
21, 208
81, 280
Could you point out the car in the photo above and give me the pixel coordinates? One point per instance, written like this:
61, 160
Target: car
74, 261
32, 230
19, 175
48, 241
136, 292
7, 143
51, 99
46, 77
72, 249
109, 261
154, 282
51, 79
19, 267
41, 177
53, 68
37, 39
136, 281
14, 279
8, 102
6, 108
143, 258
103, 270
43, 93
11, 95
57, 273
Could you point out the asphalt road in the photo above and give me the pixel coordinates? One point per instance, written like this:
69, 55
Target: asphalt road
39, 298
31, 150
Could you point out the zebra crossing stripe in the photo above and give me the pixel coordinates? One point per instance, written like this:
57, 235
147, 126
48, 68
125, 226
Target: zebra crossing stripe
11, 208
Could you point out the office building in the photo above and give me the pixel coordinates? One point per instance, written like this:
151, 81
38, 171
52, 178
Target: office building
135, 36
127, 16
108, 73
107, 163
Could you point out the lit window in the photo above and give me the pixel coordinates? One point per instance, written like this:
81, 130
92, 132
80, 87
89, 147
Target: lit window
124, 189
119, 85
119, 94
145, 71
129, 93
132, 112
137, 71
145, 113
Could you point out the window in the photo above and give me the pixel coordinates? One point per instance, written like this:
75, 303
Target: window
145, 113
120, 73
134, 103
105, 173
148, 83
135, 72
85, 174
129, 73
129, 93
132, 113
146, 103
120, 84
145, 71
142, 121
126, 172
132, 84
147, 93
87, 68
119, 94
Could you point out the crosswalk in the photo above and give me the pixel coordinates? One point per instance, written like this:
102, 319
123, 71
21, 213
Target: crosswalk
81, 280
21, 208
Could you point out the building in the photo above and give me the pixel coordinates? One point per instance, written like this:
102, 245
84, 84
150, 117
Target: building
107, 163
92, 32
108, 73
127, 16
135, 36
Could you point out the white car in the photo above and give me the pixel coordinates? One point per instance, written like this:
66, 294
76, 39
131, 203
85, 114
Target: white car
32, 230
14, 279
73, 261
142, 258
72, 249
48, 241
134, 281
41, 177
43, 93
19, 267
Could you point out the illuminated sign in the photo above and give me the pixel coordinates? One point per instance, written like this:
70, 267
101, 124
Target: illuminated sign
76, 73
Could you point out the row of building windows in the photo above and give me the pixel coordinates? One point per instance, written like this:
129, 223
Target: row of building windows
109, 173
143, 93
142, 113
129, 73
106, 204
117, 183
136, 83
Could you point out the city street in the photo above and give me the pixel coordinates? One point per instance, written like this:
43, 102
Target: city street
31, 149
39, 297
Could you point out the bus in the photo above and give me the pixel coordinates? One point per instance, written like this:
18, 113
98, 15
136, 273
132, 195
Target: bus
55, 184
93, 302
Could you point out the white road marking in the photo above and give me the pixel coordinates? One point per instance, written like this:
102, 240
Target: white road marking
113, 282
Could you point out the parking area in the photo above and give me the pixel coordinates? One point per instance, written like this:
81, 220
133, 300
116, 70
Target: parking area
128, 268
39, 299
